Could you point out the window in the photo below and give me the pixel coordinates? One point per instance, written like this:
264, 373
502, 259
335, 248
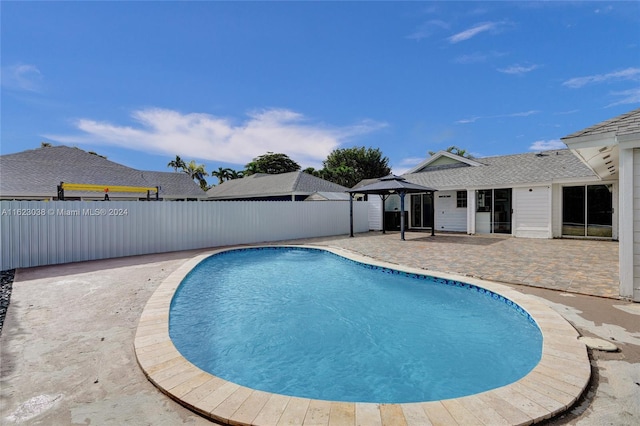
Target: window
461, 198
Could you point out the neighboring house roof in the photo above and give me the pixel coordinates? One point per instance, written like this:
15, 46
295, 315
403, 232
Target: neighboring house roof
38, 172
262, 185
624, 124
364, 182
328, 196
507, 170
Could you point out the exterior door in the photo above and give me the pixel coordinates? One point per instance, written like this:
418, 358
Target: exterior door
502, 211
421, 211
493, 211
587, 211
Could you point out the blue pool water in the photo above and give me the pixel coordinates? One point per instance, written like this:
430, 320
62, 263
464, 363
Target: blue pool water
309, 323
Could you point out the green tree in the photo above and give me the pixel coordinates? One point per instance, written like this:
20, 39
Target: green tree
312, 171
197, 172
455, 150
342, 175
222, 174
235, 174
177, 163
250, 169
272, 164
348, 166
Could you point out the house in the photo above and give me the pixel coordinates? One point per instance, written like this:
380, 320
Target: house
35, 175
524, 195
611, 149
590, 190
292, 186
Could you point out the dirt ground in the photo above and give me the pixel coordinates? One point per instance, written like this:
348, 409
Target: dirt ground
67, 354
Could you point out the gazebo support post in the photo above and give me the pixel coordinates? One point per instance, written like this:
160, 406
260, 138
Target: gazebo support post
401, 215
384, 198
433, 214
350, 215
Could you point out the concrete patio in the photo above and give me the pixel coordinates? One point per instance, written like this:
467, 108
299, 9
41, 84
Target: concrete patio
67, 343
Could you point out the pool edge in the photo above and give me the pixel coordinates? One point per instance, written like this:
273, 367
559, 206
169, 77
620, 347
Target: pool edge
552, 387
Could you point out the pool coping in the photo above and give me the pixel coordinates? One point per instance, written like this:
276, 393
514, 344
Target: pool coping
552, 387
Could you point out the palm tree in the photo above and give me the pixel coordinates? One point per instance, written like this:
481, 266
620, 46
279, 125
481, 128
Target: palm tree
223, 174
178, 163
236, 174
197, 172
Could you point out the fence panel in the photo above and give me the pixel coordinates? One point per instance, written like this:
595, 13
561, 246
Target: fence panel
35, 233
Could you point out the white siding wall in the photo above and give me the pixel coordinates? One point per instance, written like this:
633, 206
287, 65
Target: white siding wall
532, 212
448, 216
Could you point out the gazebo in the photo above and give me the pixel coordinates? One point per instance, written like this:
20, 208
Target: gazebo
392, 185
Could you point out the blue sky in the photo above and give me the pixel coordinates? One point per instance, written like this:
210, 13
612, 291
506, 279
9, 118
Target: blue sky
224, 82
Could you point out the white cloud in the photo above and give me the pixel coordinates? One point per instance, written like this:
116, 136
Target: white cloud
515, 114
427, 29
406, 164
518, 69
519, 114
631, 96
472, 32
547, 145
411, 161
22, 77
208, 137
468, 120
626, 74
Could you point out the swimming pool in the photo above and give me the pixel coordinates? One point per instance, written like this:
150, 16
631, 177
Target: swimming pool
554, 384
308, 323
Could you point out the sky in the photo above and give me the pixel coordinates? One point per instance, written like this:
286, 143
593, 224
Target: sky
224, 82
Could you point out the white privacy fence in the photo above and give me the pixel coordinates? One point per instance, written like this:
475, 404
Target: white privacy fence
34, 233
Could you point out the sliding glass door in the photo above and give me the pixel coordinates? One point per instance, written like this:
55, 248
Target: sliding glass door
421, 211
587, 211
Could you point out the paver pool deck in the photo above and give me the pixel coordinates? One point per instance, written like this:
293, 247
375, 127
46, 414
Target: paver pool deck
68, 341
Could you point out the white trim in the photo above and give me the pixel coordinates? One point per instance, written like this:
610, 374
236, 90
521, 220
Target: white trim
590, 141
626, 213
631, 140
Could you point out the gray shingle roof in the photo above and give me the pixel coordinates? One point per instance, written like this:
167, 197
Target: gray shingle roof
507, 170
624, 124
38, 172
264, 185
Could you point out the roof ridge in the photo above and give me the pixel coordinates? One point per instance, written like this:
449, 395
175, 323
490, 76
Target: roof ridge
294, 186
